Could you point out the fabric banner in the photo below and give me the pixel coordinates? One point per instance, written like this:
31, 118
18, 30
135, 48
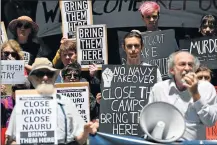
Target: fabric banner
109, 139
124, 13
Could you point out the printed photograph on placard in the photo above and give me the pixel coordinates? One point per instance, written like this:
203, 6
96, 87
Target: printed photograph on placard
92, 46
75, 13
35, 118
4, 36
78, 93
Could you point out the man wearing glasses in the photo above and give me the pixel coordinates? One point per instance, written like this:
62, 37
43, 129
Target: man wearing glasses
71, 128
150, 14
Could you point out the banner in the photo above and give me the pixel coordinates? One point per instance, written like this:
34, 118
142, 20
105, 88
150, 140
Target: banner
125, 91
12, 72
109, 139
124, 13
204, 48
36, 118
78, 92
92, 46
3, 32
158, 45
75, 13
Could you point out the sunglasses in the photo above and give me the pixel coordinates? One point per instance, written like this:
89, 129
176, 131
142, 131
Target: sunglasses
69, 76
153, 16
41, 74
130, 46
25, 25
7, 53
208, 26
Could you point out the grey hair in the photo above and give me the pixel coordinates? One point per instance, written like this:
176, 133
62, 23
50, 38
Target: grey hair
171, 62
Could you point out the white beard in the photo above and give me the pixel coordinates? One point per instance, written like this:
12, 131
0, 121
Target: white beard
45, 89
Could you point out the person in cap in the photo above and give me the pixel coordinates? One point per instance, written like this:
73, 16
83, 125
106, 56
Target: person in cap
25, 30
42, 77
150, 14
195, 99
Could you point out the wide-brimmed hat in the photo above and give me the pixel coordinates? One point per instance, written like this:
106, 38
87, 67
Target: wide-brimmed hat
41, 63
13, 24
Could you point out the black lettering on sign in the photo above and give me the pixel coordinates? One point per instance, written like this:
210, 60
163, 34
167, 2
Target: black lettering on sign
91, 43
96, 32
50, 14
76, 16
91, 54
75, 5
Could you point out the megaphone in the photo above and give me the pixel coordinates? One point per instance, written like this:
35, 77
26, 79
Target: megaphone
162, 122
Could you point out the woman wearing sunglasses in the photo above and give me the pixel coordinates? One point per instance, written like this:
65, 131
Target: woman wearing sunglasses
25, 31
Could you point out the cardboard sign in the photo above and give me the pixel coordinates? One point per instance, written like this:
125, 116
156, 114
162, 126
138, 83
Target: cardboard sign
78, 92
204, 48
4, 36
75, 13
158, 45
36, 118
12, 72
125, 91
92, 46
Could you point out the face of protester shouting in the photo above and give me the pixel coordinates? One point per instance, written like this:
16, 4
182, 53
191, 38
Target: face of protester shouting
183, 64
68, 56
23, 31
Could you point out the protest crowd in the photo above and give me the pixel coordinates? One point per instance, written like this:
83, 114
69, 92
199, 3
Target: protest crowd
69, 96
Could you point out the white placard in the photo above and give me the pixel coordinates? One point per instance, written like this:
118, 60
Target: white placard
75, 13
3, 33
36, 118
12, 72
79, 94
92, 46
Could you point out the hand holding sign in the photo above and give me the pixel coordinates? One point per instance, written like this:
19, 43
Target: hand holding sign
107, 76
90, 128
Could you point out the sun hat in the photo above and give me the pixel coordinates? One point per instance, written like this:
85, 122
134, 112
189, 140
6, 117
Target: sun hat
42, 63
13, 24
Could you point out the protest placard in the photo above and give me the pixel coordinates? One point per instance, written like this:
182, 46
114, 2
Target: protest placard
125, 91
92, 46
12, 72
78, 92
4, 36
204, 48
158, 45
36, 118
75, 13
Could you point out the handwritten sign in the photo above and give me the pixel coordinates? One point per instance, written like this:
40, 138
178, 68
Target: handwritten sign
204, 48
36, 118
158, 45
92, 45
12, 72
78, 92
75, 13
125, 91
4, 36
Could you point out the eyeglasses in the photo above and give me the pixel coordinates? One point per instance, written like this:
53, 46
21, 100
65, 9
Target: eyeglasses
26, 25
130, 46
7, 53
69, 76
41, 74
153, 16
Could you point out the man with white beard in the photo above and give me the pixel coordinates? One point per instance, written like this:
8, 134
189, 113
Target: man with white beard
43, 76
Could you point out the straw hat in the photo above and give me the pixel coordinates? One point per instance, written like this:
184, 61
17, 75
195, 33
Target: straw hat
41, 63
12, 25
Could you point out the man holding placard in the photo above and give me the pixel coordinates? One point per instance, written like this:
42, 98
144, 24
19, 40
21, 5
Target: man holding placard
70, 125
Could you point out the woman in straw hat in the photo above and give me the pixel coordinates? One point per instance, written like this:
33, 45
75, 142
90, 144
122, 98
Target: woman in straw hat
25, 31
